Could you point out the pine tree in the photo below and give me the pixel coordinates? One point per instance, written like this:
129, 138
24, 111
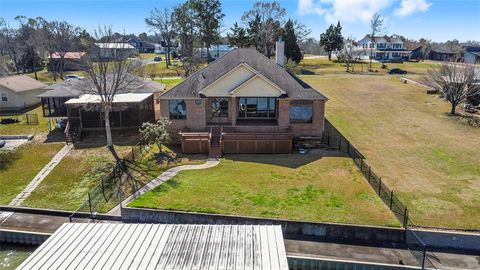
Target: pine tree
332, 39
292, 50
239, 37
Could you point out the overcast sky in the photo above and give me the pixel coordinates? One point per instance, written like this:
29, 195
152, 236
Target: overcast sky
439, 20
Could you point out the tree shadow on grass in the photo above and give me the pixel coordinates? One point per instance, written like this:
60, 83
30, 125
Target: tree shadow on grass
293, 160
8, 158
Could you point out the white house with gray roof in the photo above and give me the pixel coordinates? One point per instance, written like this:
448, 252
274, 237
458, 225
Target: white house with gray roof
18, 92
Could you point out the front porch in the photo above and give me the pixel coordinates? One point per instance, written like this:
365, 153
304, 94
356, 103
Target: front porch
237, 140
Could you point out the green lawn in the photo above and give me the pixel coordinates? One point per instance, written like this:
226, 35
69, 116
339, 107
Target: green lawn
23, 128
431, 160
67, 186
321, 66
47, 77
19, 167
170, 82
319, 186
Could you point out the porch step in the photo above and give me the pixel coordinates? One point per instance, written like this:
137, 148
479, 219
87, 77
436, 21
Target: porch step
215, 147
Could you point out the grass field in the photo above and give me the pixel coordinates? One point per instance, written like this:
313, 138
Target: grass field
67, 186
321, 66
170, 82
19, 167
23, 128
431, 160
321, 186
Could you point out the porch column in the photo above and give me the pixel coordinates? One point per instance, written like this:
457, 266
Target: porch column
233, 110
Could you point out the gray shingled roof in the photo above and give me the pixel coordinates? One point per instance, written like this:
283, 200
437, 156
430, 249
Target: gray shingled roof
293, 86
75, 88
20, 83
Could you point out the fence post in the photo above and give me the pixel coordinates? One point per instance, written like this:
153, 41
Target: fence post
391, 199
424, 255
103, 187
89, 203
348, 148
340, 143
369, 173
133, 155
328, 139
405, 218
379, 186
361, 166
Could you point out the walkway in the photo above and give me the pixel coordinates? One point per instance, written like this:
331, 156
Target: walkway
40, 176
162, 178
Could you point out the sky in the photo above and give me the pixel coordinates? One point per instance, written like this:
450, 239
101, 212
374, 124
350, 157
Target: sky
438, 20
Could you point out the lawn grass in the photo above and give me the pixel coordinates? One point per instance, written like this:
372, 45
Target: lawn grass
159, 69
320, 66
18, 167
47, 77
430, 159
67, 186
321, 186
23, 128
170, 82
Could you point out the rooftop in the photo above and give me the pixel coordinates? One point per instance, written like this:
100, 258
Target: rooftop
116, 45
118, 98
293, 86
20, 83
69, 55
161, 246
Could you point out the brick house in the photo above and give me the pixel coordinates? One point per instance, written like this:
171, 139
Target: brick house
243, 103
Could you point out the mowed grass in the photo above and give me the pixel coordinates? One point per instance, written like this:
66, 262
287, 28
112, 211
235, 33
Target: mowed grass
22, 128
321, 186
170, 82
18, 167
68, 185
322, 65
430, 160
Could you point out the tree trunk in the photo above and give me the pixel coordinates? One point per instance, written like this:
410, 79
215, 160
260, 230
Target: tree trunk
452, 111
167, 55
371, 56
329, 55
61, 67
33, 64
208, 53
108, 131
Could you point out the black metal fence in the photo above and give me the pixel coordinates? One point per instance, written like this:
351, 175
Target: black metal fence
334, 139
108, 193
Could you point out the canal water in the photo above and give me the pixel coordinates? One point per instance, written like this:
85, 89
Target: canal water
12, 255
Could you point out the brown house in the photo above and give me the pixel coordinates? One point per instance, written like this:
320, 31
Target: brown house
243, 103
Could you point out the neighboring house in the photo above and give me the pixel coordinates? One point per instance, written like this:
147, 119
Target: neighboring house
216, 51
441, 53
18, 92
112, 50
70, 100
141, 46
385, 48
418, 53
72, 60
471, 54
243, 102
161, 49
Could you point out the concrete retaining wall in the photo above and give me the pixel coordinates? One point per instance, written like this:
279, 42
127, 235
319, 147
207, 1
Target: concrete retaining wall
304, 263
22, 237
325, 231
447, 240
58, 213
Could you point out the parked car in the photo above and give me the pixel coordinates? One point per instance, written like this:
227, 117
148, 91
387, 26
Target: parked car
397, 71
157, 59
74, 77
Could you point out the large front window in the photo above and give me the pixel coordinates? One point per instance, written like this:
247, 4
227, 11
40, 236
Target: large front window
301, 111
177, 109
220, 107
257, 107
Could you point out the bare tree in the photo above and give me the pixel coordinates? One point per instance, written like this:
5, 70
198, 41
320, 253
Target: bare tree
31, 37
263, 22
108, 76
10, 45
162, 22
376, 27
63, 37
456, 82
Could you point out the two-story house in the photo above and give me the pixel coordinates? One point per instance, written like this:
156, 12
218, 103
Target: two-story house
243, 102
385, 48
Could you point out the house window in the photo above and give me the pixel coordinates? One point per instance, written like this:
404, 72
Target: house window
4, 97
301, 111
177, 109
220, 107
261, 107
